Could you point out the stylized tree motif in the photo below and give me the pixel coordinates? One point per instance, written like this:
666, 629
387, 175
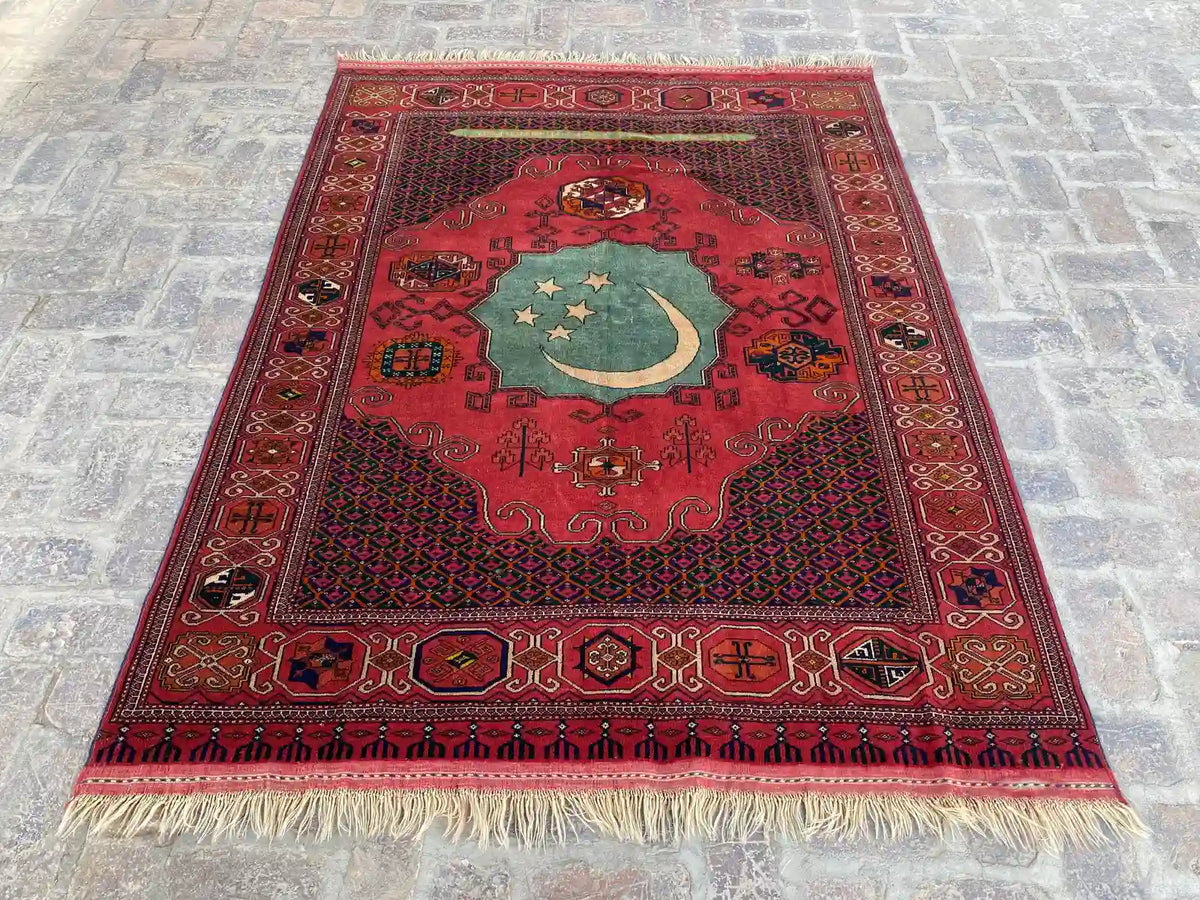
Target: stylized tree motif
523, 445
688, 443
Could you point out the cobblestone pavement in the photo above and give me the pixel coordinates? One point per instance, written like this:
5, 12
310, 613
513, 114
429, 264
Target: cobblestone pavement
147, 148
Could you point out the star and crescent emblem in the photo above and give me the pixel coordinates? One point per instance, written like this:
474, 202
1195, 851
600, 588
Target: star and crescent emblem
602, 321
576, 314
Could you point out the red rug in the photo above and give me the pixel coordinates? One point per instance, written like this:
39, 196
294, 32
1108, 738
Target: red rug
604, 448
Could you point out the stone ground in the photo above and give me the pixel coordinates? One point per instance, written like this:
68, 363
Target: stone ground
147, 148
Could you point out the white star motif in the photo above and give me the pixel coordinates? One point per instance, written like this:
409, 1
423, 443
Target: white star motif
526, 315
579, 311
596, 281
557, 332
549, 288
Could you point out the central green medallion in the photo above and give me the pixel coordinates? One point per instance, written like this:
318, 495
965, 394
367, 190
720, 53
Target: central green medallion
604, 321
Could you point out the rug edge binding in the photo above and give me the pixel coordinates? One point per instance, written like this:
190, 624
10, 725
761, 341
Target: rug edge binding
850, 60
552, 818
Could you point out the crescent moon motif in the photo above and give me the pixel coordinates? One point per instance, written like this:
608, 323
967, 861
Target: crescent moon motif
687, 345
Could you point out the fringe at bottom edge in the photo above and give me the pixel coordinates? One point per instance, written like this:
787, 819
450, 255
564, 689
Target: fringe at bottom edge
802, 61
538, 818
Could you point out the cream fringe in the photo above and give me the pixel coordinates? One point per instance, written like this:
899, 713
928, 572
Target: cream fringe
537, 818
806, 61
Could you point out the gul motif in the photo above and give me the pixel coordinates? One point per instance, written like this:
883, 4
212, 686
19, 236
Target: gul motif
461, 661
611, 197
793, 356
880, 663
606, 467
996, 667
203, 661
779, 265
229, 588
414, 359
441, 270
608, 657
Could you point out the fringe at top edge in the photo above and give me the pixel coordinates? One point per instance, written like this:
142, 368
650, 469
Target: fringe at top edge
837, 61
534, 818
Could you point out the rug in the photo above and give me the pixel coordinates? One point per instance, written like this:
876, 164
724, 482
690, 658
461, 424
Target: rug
604, 452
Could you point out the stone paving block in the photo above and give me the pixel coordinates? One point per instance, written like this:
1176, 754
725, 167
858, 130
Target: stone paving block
48, 164
1116, 387
466, 879
1041, 230
111, 867
31, 558
915, 128
382, 868
223, 325
1107, 216
958, 239
993, 852
111, 223
1107, 131
969, 196
36, 784
70, 629
144, 264
1179, 825
131, 353
623, 878
59, 272
1172, 438
975, 155
1158, 119
1043, 484
192, 48
978, 889
30, 368
227, 239
1120, 669
104, 475
80, 690
1016, 400
75, 195
1177, 242
1105, 454
1038, 182
177, 450
1143, 751
160, 398
103, 309
65, 422
837, 889
1111, 267
1111, 874
24, 495
30, 234
23, 685
282, 869
1109, 326
1024, 338
1107, 169
138, 547
738, 870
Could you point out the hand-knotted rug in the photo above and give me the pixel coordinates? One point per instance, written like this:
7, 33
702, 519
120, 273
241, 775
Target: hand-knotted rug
604, 449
